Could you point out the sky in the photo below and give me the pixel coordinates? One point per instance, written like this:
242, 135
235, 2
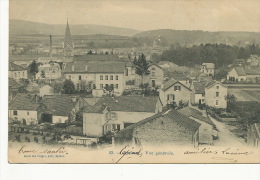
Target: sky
207, 15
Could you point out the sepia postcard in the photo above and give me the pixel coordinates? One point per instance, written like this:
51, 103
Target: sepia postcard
142, 81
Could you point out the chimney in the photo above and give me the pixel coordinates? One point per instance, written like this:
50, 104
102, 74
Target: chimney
50, 45
86, 67
74, 99
72, 67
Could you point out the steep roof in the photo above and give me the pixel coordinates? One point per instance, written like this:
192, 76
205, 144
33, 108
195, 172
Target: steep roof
210, 84
94, 109
13, 84
58, 105
170, 83
96, 57
15, 67
240, 71
170, 114
95, 67
68, 39
24, 102
199, 87
180, 77
130, 103
188, 111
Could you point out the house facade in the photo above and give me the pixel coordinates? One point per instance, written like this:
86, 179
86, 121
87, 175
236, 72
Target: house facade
97, 75
208, 68
17, 72
215, 95
170, 128
26, 109
155, 78
236, 74
198, 93
49, 71
114, 114
174, 91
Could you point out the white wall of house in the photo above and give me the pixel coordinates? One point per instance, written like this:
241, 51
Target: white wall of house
18, 74
51, 71
215, 96
234, 74
93, 124
59, 119
28, 116
196, 98
79, 78
184, 94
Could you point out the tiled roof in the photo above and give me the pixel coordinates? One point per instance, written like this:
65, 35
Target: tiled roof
170, 114
208, 85
240, 71
96, 57
180, 77
58, 105
209, 65
15, 67
24, 102
13, 84
188, 111
130, 103
199, 87
170, 83
95, 67
94, 109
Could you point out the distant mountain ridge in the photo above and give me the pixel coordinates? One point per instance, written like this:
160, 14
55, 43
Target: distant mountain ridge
198, 36
27, 27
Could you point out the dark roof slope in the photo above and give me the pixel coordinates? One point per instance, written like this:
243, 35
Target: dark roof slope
94, 109
240, 71
188, 111
58, 105
130, 103
24, 102
13, 84
170, 114
199, 87
95, 67
210, 84
96, 57
15, 67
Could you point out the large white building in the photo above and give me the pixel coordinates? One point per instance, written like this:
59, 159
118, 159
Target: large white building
97, 75
17, 72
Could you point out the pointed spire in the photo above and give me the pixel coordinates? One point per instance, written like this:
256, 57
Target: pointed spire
68, 45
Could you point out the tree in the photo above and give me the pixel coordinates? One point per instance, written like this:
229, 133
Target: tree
141, 66
90, 52
57, 87
34, 68
68, 86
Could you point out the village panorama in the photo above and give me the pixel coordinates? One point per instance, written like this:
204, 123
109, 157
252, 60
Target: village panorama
162, 87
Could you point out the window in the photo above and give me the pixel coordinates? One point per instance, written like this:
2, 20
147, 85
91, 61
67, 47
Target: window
18, 74
106, 86
77, 86
217, 94
116, 77
106, 77
153, 74
79, 77
170, 97
23, 74
217, 102
101, 77
15, 113
15, 75
111, 77
217, 87
101, 86
177, 88
116, 87
70, 77
28, 113
113, 115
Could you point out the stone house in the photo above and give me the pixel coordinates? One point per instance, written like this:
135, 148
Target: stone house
17, 72
154, 79
208, 68
113, 114
174, 91
236, 74
97, 75
26, 109
169, 128
215, 95
207, 129
49, 71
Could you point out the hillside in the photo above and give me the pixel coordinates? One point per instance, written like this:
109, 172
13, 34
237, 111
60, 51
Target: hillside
197, 37
20, 27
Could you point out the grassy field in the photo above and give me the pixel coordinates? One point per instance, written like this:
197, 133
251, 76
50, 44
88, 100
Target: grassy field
245, 95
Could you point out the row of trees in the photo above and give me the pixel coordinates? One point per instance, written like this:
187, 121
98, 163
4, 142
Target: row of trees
220, 54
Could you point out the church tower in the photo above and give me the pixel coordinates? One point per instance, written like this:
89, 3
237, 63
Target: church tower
68, 45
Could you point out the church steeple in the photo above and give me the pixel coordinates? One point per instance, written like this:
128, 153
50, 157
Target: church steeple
68, 45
